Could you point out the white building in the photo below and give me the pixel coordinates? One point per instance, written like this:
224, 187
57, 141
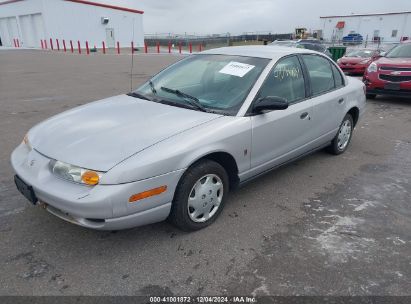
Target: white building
29, 22
386, 27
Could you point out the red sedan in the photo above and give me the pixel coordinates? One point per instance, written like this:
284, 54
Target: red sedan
357, 61
390, 75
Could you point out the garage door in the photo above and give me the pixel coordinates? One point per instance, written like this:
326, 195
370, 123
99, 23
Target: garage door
32, 29
8, 30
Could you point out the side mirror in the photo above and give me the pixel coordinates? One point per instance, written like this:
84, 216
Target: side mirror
270, 103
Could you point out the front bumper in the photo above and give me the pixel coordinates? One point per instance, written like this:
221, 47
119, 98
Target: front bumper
103, 207
375, 85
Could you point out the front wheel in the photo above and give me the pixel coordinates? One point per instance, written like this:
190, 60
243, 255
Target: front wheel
200, 196
343, 138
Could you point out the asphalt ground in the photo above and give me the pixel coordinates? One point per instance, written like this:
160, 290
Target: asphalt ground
324, 225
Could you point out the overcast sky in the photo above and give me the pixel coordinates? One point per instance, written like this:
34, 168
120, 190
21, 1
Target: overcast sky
238, 16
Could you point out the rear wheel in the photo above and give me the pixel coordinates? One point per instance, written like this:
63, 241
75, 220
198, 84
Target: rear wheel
200, 196
343, 138
371, 96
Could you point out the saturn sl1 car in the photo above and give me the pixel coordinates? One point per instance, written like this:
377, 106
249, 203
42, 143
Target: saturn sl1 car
175, 147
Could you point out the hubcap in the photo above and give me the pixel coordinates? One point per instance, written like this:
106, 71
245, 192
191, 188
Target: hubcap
205, 198
344, 135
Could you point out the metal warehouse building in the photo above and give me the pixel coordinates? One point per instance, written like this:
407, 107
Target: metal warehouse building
31, 21
384, 27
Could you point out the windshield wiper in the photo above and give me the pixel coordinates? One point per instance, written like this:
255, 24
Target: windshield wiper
139, 95
153, 89
191, 99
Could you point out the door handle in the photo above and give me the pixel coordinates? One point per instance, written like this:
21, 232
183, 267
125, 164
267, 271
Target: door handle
304, 115
341, 100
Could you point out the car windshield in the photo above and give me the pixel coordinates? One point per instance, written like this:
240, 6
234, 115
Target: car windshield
400, 51
360, 53
212, 83
311, 46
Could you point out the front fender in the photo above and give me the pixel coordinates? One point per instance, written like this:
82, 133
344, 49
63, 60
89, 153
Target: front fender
228, 134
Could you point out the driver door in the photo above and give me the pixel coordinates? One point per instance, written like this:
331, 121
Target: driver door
281, 135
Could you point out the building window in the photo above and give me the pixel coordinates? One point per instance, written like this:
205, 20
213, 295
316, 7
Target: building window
394, 33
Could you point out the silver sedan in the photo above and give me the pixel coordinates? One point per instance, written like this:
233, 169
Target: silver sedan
175, 147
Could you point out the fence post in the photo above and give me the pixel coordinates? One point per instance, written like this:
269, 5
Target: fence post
118, 47
158, 47
51, 44
64, 46
58, 45
45, 44
104, 47
87, 48
42, 44
179, 47
191, 47
169, 47
145, 47
132, 47
71, 46
78, 45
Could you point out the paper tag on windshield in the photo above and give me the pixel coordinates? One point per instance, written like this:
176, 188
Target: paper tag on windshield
236, 69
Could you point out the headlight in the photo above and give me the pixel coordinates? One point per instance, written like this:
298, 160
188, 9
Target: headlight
75, 174
372, 68
365, 61
27, 142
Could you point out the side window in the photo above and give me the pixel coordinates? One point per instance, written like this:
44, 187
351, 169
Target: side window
338, 78
320, 73
285, 80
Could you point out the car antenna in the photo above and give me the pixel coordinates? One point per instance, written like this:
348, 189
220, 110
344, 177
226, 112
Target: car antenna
132, 60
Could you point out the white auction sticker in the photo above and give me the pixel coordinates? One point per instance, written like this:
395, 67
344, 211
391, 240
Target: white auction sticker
237, 69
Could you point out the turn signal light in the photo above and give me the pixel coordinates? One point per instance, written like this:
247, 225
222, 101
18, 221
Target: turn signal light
90, 178
146, 194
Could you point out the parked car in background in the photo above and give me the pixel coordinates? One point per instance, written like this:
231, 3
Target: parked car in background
357, 61
352, 39
288, 43
391, 74
308, 44
177, 145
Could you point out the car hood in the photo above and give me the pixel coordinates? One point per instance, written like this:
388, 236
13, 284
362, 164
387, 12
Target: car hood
101, 134
353, 60
397, 62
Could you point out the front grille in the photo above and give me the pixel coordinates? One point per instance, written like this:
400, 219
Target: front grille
395, 78
388, 68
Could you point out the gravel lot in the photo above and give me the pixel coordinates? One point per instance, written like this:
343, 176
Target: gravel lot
324, 225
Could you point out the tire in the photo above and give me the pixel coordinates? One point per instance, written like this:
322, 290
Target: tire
212, 184
340, 142
371, 96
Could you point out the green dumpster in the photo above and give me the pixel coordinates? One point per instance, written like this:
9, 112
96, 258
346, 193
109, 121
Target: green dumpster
337, 52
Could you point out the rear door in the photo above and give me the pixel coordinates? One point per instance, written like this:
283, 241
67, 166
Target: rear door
284, 134
328, 96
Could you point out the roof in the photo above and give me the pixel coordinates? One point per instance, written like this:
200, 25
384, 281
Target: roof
260, 51
86, 2
364, 15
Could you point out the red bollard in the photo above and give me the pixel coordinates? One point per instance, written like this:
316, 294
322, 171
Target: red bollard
87, 49
118, 47
200, 47
158, 47
18, 42
71, 46
191, 47
42, 44
79, 48
58, 45
145, 47
104, 48
51, 44
169, 47
132, 47
14, 42
64, 45
179, 47
45, 44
